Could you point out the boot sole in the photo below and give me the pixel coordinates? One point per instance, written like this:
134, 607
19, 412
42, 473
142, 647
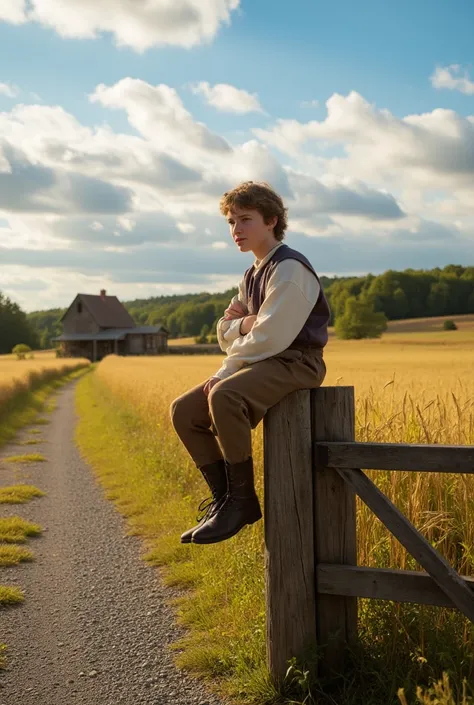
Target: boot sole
227, 536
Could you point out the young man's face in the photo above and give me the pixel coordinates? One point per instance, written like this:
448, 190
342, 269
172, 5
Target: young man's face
249, 230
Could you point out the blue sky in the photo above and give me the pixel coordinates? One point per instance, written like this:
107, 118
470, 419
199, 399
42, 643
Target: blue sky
374, 154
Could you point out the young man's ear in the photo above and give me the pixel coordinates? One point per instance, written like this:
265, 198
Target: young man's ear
273, 222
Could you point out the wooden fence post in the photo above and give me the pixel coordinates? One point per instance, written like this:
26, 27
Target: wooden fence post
289, 531
333, 419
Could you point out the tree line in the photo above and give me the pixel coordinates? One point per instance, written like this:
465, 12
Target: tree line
15, 327
370, 298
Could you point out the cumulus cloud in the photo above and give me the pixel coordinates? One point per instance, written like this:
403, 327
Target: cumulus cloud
28, 187
95, 202
433, 149
139, 25
357, 199
445, 77
13, 11
158, 113
228, 98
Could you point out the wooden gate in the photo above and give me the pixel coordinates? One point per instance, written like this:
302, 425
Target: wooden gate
312, 474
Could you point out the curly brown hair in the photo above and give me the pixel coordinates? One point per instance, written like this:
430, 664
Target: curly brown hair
257, 195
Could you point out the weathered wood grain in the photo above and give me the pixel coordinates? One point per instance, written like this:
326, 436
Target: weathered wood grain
442, 573
333, 415
383, 584
396, 456
289, 545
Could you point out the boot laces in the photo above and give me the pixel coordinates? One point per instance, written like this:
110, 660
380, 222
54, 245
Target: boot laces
208, 506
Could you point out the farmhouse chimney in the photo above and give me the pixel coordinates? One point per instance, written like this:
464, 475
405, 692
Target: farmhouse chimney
103, 293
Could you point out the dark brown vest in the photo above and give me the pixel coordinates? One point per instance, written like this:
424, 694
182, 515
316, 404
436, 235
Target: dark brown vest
314, 333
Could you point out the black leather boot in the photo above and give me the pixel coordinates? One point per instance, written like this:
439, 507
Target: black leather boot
216, 477
240, 507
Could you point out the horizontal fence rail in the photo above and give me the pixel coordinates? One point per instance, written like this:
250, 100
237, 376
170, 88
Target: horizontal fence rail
396, 456
383, 584
312, 475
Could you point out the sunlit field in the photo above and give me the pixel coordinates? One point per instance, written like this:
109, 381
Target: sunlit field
17, 376
410, 388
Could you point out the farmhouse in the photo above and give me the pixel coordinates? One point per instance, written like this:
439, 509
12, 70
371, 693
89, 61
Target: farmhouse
95, 326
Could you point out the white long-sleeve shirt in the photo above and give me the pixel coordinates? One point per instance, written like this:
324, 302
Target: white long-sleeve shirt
291, 294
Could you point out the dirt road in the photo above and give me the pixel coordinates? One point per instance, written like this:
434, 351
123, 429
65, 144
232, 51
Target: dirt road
95, 627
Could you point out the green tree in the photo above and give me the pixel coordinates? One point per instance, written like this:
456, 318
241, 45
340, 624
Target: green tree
14, 326
202, 338
360, 320
438, 299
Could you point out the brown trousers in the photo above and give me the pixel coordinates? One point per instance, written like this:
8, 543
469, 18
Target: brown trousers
237, 404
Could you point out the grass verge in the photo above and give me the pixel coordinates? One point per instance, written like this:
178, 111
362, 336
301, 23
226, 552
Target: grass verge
16, 529
10, 595
148, 476
18, 494
13, 555
25, 406
27, 458
133, 465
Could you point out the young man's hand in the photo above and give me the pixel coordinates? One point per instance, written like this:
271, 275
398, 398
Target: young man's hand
247, 324
210, 384
236, 310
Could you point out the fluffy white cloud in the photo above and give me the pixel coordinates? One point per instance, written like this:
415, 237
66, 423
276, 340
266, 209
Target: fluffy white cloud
28, 187
93, 202
158, 113
12, 11
228, 98
433, 149
445, 77
135, 23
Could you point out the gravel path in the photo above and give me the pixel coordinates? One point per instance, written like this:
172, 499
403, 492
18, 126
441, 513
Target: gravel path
95, 626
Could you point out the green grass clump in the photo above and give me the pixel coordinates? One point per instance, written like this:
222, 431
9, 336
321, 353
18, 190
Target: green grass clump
10, 595
16, 529
27, 458
30, 442
13, 555
19, 494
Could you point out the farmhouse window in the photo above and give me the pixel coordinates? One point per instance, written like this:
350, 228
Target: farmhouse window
79, 306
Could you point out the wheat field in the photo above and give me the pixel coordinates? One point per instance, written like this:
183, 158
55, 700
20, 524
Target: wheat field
421, 393
17, 376
409, 388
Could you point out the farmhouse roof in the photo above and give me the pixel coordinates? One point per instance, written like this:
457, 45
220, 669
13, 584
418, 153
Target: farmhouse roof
107, 311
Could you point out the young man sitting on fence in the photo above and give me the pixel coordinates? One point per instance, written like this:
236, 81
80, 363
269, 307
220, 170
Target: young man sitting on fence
273, 333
